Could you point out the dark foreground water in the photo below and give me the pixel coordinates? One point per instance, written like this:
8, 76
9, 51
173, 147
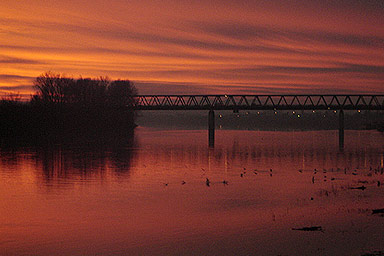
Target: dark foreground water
151, 196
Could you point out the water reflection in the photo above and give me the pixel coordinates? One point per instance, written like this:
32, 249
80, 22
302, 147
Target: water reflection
268, 149
148, 195
58, 164
97, 160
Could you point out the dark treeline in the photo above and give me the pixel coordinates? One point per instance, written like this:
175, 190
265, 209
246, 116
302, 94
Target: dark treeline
64, 106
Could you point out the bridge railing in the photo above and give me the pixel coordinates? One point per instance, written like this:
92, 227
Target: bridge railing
258, 102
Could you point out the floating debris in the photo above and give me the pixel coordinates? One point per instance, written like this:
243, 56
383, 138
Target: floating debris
377, 211
374, 253
225, 182
361, 188
314, 228
183, 182
207, 182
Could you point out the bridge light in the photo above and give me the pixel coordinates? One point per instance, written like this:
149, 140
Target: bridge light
258, 113
359, 111
313, 111
298, 116
226, 96
293, 112
220, 116
334, 111
275, 113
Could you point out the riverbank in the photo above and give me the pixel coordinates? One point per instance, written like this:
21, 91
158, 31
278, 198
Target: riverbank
29, 121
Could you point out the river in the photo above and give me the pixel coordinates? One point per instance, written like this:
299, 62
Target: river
165, 192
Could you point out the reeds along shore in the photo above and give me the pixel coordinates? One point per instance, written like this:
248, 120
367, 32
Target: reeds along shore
63, 107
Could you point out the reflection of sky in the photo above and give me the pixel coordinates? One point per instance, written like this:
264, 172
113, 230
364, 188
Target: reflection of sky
172, 154
171, 46
112, 200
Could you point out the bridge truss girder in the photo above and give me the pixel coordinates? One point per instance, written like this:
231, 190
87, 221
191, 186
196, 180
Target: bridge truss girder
258, 102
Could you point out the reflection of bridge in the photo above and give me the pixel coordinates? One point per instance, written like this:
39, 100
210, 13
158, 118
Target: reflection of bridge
260, 102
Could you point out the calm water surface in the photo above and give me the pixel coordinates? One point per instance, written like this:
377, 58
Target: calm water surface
149, 196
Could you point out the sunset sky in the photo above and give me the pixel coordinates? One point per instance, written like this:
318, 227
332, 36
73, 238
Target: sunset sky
197, 47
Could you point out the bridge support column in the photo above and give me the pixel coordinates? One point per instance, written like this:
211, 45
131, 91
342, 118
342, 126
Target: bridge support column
211, 128
341, 129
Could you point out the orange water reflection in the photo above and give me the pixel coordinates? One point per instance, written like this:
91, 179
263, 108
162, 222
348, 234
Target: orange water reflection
130, 199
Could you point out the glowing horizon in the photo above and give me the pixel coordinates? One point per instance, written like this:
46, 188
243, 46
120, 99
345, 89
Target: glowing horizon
173, 47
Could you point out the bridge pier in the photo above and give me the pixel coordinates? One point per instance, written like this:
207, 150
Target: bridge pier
341, 129
211, 128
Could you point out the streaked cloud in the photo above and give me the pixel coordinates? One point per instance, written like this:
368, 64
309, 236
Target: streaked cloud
12, 60
192, 46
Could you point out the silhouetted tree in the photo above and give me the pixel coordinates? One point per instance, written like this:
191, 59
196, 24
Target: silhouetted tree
63, 105
120, 93
57, 89
14, 98
52, 88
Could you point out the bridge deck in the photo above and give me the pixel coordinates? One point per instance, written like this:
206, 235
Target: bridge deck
258, 102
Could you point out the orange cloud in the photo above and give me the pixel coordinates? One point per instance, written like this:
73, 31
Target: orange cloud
192, 46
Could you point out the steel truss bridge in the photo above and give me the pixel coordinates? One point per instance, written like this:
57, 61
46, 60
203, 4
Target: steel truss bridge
258, 102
